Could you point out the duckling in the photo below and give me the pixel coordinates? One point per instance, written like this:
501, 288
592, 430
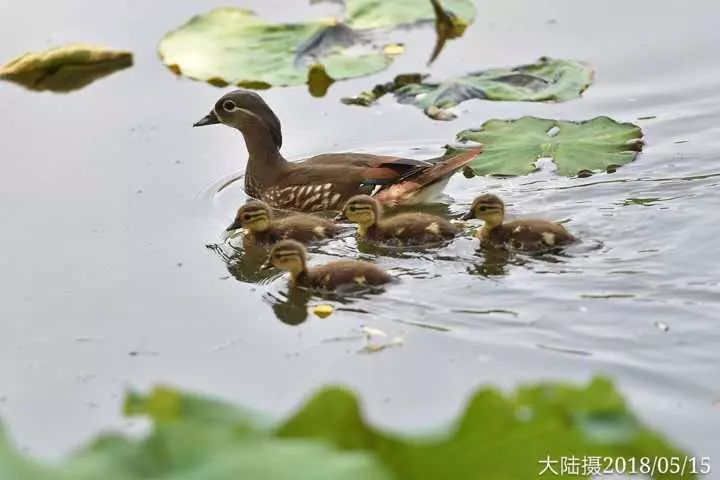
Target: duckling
525, 234
291, 256
256, 217
405, 229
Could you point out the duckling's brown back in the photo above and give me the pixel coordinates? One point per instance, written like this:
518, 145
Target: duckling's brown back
413, 229
346, 272
303, 228
531, 234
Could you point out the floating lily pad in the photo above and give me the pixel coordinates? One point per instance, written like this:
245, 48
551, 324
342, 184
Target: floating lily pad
233, 46
547, 80
498, 436
578, 148
66, 68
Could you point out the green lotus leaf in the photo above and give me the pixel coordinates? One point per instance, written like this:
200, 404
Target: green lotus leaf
503, 437
498, 436
66, 68
512, 147
233, 46
372, 14
547, 80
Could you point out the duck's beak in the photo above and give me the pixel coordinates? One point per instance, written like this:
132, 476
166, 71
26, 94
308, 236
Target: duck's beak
209, 119
468, 216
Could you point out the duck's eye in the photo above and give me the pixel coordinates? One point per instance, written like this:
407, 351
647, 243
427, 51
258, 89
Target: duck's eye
229, 105
246, 217
482, 208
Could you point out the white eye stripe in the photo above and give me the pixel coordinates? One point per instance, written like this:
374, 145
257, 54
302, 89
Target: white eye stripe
230, 106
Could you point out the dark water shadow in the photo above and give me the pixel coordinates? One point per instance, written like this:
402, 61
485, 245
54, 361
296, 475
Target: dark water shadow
292, 305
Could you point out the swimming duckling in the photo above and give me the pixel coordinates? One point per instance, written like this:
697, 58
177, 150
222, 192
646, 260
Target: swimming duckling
291, 256
256, 217
525, 234
405, 229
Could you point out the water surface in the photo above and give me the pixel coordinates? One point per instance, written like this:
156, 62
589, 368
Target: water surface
109, 197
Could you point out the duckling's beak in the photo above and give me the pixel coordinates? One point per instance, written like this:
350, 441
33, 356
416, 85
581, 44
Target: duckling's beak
267, 265
468, 216
235, 225
209, 119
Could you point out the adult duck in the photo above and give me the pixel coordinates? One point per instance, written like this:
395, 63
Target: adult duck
324, 182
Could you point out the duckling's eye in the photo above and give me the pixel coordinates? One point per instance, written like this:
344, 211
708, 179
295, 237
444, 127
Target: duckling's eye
246, 217
482, 208
229, 105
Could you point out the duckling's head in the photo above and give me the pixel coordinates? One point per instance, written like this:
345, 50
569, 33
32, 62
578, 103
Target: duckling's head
254, 216
489, 208
363, 210
287, 255
246, 111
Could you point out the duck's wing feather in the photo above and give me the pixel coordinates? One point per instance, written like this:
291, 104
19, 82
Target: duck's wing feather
351, 173
406, 187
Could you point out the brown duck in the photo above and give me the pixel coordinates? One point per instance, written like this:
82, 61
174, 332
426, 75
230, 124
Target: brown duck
324, 182
291, 256
405, 229
263, 229
525, 234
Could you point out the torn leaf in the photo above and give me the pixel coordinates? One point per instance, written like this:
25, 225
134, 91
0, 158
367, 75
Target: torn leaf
233, 46
547, 80
511, 147
66, 68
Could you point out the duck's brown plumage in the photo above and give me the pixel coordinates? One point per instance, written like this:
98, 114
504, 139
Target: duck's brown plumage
291, 256
322, 182
526, 234
405, 229
300, 227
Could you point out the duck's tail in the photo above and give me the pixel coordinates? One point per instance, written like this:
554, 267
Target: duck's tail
428, 182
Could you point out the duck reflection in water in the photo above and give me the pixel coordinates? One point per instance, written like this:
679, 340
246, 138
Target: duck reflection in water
290, 307
244, 263
494, 263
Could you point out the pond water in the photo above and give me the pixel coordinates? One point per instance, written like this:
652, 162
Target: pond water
109, 198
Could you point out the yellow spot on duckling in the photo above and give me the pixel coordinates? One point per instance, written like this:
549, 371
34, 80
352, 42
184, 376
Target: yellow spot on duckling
399, 231
433, 228
519, 229
360, 280
323, 311
548, 238
319, 231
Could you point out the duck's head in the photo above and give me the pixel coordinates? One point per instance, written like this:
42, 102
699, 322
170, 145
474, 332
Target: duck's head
487, 207
287, 255
254, 216
362, 209
246, 111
